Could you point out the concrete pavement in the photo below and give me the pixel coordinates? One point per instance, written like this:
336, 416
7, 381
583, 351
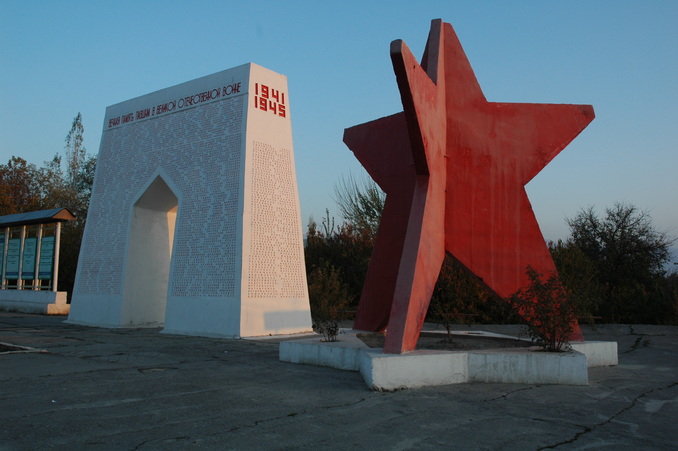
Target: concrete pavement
138, 389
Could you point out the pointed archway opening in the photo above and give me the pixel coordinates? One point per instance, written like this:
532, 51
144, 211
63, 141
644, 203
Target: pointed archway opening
149, 256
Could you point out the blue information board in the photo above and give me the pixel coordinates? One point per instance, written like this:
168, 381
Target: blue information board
28, 260
46, 258
13, 258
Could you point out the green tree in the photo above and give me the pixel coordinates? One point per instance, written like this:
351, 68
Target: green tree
76, 153
627, 255
73, 192
20, 188
579, 275
671, 293
25, 187
342, 247
86, 180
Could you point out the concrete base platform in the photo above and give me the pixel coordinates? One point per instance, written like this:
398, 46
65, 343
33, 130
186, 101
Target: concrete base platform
388, 372
528, 366
429, 368
30, 301
598, 353
344, 354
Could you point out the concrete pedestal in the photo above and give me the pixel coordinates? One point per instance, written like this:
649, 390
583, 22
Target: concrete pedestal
528, 366
344, 354
428, 368
413, 370
598, 353
29, 301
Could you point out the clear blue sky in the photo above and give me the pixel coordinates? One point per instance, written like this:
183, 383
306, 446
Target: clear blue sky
58, 58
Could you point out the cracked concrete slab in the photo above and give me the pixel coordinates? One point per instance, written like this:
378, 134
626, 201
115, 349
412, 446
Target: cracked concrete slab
139, 389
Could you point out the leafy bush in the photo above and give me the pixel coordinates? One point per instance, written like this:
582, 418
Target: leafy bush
548, 311
328, 328
328, 298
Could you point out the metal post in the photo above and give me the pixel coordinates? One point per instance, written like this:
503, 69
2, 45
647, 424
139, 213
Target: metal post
3, 283
19, 280
36, 274
57, 243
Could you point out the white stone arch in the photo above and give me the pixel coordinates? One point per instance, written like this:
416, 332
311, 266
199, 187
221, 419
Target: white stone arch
153, 219
236, 265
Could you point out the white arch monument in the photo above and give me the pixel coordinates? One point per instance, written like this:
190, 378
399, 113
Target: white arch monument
194, 221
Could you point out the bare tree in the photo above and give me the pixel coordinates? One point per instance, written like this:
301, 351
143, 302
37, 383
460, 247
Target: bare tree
360, 203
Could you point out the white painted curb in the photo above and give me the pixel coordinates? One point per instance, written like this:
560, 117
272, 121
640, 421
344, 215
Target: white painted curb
29, 301
528, 366
598, 353
413, 370
430, 368
343, 355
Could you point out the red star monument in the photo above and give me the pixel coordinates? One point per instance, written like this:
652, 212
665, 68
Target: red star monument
454, 168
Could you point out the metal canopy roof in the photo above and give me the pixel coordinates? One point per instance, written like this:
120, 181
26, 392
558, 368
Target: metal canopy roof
37, 217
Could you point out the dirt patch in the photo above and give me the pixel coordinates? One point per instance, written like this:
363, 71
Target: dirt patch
460, 342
